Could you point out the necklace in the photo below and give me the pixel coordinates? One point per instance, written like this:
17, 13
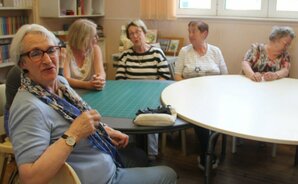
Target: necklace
141, 53
140, 59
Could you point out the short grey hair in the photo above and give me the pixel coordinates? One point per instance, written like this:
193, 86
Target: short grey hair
280, 32
137, 23
16, 47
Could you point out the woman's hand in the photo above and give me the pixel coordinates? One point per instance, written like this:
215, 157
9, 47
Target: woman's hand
84, 125
98, 82
270, 76
257, 77
119, 139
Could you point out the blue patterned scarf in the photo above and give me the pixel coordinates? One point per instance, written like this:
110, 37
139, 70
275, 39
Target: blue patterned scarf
70, 107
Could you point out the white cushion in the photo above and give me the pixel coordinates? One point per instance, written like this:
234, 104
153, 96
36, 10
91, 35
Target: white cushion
156, 119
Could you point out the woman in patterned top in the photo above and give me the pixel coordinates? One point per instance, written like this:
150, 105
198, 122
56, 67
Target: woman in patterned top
83, 67
269, 61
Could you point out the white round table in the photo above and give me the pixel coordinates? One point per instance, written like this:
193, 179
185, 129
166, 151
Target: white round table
235, 105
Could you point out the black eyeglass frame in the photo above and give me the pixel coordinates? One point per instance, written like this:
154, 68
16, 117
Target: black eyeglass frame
43, 52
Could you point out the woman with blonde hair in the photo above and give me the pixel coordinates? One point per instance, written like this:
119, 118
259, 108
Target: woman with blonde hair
83, 67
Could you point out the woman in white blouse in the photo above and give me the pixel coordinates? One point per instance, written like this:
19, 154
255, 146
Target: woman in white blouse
199, 58
195, 60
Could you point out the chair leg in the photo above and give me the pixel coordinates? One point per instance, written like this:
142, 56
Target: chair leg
273, 150
223, 146
3, 164
234, 145
163, 142
183, 141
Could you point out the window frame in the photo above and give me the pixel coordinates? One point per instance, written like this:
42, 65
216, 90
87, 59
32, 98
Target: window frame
243, 13
218, 10
273, 13
186, 12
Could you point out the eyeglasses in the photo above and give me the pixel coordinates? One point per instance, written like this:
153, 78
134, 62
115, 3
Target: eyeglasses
37, 54
137, 33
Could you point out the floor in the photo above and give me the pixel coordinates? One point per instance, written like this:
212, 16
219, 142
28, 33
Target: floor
251, 164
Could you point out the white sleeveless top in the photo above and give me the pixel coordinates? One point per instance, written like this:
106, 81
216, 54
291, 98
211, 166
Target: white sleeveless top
83, 73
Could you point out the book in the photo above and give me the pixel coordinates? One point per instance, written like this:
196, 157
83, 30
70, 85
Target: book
79, 8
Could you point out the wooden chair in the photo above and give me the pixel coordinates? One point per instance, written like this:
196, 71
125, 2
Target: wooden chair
2, 103
5, 154
171, 45
66, 175
5, 146
234, 147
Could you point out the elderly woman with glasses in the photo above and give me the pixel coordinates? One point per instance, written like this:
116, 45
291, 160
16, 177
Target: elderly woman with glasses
83, 67
269, 61
143, 62
195, 60
50, 124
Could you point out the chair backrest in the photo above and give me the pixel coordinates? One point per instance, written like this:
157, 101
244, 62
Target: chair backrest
66, 175
2, 99
2, 103
171, 63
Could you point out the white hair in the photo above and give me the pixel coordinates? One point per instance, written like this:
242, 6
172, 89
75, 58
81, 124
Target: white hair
16, 47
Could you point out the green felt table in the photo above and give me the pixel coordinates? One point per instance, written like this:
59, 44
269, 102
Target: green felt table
119, 101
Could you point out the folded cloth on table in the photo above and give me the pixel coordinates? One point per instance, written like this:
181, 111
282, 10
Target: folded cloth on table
161, 116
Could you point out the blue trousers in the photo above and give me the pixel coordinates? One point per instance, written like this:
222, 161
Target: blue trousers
6, 115
145, 175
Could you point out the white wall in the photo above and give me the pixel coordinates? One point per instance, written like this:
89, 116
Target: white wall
234, 37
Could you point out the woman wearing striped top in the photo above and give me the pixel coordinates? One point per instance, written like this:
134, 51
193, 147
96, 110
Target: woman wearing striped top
143, 62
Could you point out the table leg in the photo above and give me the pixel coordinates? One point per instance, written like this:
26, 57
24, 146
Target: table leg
209, 154
223, 147
142, 142
296, 157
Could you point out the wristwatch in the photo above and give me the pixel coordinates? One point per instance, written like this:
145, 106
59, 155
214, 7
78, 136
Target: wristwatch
69, 140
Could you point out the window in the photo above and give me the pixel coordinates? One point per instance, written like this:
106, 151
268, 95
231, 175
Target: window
245, 8
243, 5
239, 8
198, 4
284, 9
196, 7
